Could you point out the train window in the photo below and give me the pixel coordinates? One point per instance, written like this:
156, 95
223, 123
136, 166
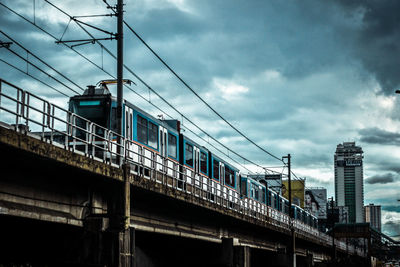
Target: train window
256, 193
172, 151
243, 187
203, 162
142, 130
264, 195
229, 177
189, 154
215, 169
153, 135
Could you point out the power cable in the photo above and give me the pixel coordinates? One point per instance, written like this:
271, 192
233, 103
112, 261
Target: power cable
198, 96
152, 90
42, 61
24, 72
80, 54
41, 70
186, 85
180, 79
155, 91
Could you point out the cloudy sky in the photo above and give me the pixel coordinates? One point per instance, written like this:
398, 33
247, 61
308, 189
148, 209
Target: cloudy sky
296, 77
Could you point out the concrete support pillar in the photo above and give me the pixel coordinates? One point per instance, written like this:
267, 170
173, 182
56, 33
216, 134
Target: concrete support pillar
234, 256
122, 236
125, 248
227, 252
309, 260
242, 256
94, 241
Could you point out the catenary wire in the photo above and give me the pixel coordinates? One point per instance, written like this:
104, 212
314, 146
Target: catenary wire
43, 30
152, 90
180, 79
41, 70
24, 72
42, 61
192, 90
129, 87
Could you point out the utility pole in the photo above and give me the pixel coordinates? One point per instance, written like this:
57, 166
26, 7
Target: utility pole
120, 69
292, 247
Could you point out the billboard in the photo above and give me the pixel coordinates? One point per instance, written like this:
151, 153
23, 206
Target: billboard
315, 202
297, 191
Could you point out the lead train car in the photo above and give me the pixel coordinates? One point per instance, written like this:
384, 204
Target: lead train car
159, 139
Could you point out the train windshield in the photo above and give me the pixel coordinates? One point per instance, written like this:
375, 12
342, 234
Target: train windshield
95, 111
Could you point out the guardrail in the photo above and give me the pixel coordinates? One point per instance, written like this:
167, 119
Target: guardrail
28, 113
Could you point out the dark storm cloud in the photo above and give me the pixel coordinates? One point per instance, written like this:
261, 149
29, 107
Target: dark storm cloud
316, 181
301, 41
392, 228
391, 208
378, 41
379, 136
381, 179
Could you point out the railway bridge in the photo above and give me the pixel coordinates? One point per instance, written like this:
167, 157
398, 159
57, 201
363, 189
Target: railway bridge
61, 205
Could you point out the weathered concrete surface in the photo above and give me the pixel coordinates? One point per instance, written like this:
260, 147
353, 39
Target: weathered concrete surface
31, 144
47, 183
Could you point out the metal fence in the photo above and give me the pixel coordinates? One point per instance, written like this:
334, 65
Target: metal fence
30, 114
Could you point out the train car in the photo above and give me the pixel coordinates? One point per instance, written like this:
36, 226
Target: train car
298, 213
194, 162
285, 205
314, 222
273, 199
254, 194
224, 178
152, 143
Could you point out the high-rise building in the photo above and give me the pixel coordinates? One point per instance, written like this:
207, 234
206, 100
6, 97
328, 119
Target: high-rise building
349, 180
373, 216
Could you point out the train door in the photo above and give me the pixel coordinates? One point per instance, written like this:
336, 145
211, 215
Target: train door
132, 150
196, 166
163, 141
128, 122
215, 181
203, 170
222, 180
171, 152
188, 170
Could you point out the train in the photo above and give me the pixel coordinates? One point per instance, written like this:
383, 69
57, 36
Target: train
161, 145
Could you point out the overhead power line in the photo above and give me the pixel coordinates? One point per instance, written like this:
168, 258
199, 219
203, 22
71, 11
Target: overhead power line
198, 96
155, 92
151, 89
41, 70
219, 115
24, 72
42, 61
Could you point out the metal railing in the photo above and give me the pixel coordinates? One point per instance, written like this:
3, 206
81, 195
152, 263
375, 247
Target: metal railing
28, 113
